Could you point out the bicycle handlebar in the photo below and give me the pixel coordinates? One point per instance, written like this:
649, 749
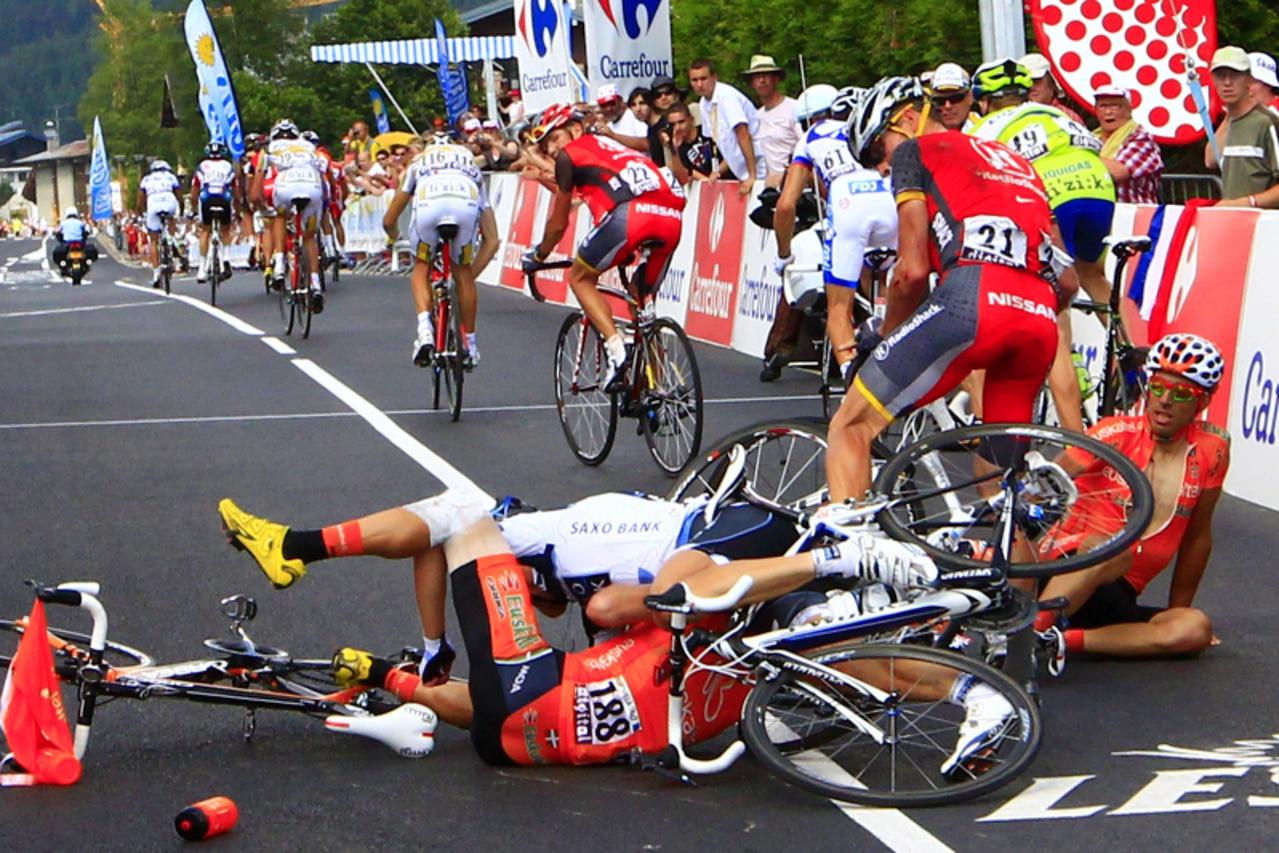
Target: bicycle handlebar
531, 276
680, 599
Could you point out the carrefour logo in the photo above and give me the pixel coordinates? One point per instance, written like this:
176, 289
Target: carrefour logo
630, 14
717, 221
542, 19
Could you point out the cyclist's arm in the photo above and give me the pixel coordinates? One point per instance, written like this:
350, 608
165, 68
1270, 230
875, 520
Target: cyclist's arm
619, 604
490, 242
784, 213
142, 199
1196, 548
391, 220
259, 179
910, 275
194, 196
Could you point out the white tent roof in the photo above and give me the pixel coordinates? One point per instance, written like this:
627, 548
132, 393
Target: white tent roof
416, 51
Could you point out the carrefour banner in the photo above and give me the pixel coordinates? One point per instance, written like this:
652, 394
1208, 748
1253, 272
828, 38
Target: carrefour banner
217, 94
628, 42
99, 177
541, 47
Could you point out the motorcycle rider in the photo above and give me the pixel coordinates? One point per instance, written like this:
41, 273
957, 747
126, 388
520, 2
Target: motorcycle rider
72, 230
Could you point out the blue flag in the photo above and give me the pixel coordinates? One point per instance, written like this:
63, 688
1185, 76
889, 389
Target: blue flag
217, 94
452, 81
379, 111
99, 177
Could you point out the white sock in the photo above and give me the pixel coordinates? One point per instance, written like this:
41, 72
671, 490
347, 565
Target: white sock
277, 262
424, 322
470, 343
616, 348
315, 280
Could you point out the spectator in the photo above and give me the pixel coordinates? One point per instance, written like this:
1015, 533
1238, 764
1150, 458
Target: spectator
1128, 150
951, 89
1265, 80
617, 122
639, 104
1045, 90
512, 107
778, 128
1249, 136
496, 152
695, 156
358, 138
730, 121
665, 94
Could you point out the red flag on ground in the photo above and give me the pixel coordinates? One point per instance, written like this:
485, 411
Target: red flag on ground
32, 717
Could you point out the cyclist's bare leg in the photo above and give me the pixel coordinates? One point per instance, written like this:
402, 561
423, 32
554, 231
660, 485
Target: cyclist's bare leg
839, 322
203, 231
974, 383
467, 298
584, 282
430, 587
1079, 586
852, 430
1176, 631
420, 285
154, 249
1062, 380
277, 228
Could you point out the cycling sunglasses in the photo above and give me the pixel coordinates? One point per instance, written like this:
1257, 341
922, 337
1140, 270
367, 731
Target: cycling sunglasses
1180, 393
956, 98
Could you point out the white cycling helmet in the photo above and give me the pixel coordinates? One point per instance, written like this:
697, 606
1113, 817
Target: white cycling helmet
160, 166
284, 129
814, 101
876, 109
847, 101
1190, 357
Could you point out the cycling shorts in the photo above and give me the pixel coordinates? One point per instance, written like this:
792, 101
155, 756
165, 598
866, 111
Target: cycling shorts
981, 316
739, 532
285, 194
1085, 224
167, 203
1114, 603
618, 237
427, 218
213, 208
859, 217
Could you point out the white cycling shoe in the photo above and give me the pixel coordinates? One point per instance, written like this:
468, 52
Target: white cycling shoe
986, 718
878, 559
409, 729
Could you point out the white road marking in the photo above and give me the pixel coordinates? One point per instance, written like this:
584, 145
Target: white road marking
230, 319
81, 308
278, 345
389, 429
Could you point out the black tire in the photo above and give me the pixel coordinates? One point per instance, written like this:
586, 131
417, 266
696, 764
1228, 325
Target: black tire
798, 727
588, 415
303, 302
831, 396
166, 265
76, 276
673, 413
786, 463
65, 662
957, 453
454, 345
215, 273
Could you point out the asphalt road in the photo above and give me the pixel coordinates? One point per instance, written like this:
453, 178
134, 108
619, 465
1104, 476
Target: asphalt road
125, 416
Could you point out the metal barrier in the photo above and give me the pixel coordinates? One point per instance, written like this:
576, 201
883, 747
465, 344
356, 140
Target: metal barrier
1178, 189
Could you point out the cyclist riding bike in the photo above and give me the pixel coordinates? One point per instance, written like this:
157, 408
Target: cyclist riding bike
331, 230
215, 192
1186, 459
72, 229
157, 194
445, 187
976, 213
860, 212
254, 148
635, 206
1081, 194
300, 174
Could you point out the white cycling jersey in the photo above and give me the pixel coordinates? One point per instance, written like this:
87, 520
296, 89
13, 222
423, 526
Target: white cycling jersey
299, 173
824, 149
215, 178
860, 214
161, 190
446, 187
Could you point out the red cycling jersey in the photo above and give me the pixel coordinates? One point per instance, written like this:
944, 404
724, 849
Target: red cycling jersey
986, 203
1207, 459
606, 174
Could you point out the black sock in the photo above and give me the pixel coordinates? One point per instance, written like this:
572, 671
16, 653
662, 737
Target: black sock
305, 545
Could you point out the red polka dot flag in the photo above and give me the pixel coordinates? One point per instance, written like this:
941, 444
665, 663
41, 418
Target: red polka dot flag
1141, 45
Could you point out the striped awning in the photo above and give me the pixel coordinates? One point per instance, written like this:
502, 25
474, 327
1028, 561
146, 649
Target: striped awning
416, 51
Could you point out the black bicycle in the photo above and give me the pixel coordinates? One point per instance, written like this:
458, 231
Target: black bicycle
447, 360
663, 389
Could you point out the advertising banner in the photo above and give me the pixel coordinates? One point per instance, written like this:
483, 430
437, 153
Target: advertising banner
717, 263
217, 94
453, 86
628, 42
99, 177
760, 287
542, 52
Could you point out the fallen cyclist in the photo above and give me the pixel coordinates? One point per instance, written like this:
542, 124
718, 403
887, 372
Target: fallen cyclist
524, 698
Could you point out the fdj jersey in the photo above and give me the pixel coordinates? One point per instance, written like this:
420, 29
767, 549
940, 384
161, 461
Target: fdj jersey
986, 204
824, 149
215, 178
606, 174
161, 188
1063, 151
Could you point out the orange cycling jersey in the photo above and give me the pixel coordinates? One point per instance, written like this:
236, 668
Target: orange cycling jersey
1206, 462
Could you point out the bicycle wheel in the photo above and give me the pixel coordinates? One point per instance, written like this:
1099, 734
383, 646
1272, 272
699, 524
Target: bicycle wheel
831, 396
453, 348
672, 416
302, 299
785, 463
587, 414
166, 266
1077, 502
881, 737
215, 272
70, 649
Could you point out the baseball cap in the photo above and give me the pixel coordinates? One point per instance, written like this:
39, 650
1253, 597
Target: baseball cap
1263, 69
1109, 91
607, 93
1232, 57
949, 77
471, 125
1036, 64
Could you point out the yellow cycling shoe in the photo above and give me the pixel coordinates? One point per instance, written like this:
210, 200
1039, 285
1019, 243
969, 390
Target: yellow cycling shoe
264, 540
356, 666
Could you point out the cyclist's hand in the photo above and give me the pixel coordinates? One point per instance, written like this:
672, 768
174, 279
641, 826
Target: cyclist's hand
529, 261
435, 669
780, 264
868, 334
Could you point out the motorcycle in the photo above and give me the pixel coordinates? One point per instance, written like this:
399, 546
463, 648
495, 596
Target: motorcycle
76, 262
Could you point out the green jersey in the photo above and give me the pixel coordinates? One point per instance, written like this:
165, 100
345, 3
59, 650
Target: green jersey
1063, 151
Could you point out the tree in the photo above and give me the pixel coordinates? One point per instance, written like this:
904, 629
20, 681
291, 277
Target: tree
6, 192
42, 57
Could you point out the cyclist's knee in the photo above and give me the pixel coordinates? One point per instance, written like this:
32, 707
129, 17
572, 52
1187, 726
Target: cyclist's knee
1183, 631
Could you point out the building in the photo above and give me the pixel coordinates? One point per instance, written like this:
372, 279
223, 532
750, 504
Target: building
16, 142
59, 179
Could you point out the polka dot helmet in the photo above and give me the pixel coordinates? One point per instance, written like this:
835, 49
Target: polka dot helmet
1189, 356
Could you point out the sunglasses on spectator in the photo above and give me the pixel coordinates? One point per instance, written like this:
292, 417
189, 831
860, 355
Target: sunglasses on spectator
1180, 393
661, 93
956, 98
